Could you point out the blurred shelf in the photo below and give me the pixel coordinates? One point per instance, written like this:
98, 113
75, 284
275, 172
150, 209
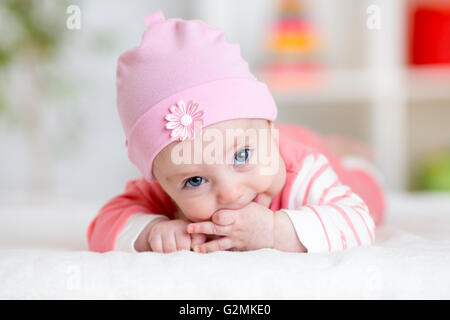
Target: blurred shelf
428, 83
318, 86
355, 85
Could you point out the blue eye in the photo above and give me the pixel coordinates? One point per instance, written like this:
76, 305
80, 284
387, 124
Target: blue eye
194, 182
241, 157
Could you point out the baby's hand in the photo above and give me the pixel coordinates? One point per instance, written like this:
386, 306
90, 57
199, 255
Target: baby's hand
249, 228
167, 236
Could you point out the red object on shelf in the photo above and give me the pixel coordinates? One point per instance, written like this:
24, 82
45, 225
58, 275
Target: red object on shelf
292, 25
430, 34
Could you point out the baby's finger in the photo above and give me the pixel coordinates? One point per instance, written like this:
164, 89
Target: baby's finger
182, 241
197, 239
207, 227
223, 243
156, 243
224, 217
169, 244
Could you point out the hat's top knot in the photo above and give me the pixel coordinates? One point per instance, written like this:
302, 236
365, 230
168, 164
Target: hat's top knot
156, 17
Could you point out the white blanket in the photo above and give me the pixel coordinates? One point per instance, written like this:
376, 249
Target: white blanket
43, 255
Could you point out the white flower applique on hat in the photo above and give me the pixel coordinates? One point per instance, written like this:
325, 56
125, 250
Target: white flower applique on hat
184, 120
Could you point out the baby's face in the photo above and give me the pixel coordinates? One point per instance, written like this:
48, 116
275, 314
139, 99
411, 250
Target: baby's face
229, 165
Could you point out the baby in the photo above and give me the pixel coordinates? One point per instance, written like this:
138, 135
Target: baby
218, 172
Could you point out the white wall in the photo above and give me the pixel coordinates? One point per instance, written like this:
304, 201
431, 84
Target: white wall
94, 163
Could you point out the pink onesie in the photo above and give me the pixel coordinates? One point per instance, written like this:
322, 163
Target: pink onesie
332, 206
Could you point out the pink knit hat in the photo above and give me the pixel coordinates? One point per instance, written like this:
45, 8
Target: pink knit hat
183, 76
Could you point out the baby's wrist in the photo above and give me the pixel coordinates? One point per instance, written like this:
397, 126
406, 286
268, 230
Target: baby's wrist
142, 243
284, 235
276, 230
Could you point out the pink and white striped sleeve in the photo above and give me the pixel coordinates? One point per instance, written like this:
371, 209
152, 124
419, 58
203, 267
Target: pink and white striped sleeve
327, 215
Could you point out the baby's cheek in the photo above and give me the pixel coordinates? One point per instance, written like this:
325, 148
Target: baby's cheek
199, 211
262, 182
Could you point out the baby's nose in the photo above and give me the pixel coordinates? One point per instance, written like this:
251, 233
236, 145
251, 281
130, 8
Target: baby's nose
230, 195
